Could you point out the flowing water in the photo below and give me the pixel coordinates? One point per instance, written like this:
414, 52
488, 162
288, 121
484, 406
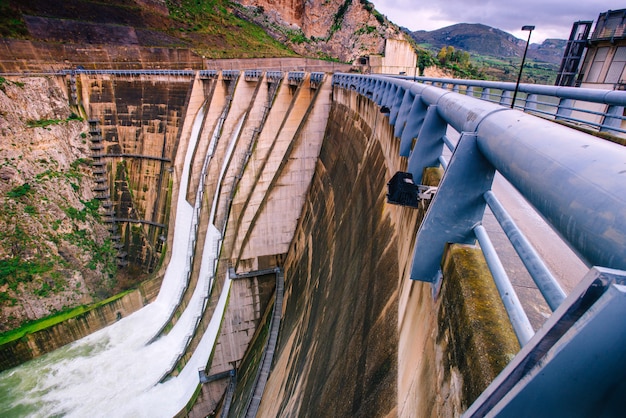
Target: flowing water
114, 372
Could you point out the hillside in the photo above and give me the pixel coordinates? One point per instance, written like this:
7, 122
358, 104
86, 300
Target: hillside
498, 53
55, 250
484, 40
340, 29
335, 29
208, 28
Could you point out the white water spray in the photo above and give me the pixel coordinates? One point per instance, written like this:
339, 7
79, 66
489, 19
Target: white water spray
113, 372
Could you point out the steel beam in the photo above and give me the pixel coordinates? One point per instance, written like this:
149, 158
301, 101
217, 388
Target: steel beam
456, 208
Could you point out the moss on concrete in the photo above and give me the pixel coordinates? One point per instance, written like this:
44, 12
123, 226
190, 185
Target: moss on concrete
480, 339
431, 176
50, 333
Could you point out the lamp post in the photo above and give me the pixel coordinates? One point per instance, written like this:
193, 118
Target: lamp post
530, 29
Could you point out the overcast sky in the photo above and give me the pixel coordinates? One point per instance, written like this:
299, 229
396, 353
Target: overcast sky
551, 18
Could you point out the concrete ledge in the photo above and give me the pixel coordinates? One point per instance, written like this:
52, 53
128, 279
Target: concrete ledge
473, 325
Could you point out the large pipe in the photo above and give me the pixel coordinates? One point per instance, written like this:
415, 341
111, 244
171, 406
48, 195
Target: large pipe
576, 181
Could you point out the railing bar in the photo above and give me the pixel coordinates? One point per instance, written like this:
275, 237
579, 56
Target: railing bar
610, 128
588, 123
592, 124
587, 112
519, 320
443, 162
448, 143
543, 278
540, 90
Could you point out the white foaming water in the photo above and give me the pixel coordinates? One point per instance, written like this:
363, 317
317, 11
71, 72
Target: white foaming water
113, 372
182, 227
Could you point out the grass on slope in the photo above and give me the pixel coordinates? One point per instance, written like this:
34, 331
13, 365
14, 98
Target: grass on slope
209, 27
217, 33
11, 23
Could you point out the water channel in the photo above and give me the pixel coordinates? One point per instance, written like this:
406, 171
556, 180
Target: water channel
115, 372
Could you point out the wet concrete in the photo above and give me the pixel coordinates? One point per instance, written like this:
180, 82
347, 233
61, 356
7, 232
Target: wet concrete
337, 346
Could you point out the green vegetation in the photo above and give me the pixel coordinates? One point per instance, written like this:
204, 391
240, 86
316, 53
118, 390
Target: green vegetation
30, 260
380, 18
424, 59
459, 63
75, 214
73, 173
80, 161
482, 67
535, 72
217, 31
338, 20
42, 123
370, 8
365, 30
19, 191
11, 23
14, 270
298, 38
33, 326
92, 206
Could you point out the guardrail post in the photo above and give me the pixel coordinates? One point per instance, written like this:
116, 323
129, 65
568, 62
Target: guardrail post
505, 98
579, 348
413, 125
388, 96
531, 102
367, 87
456, 208
395, 103
564, 109
403, 113
612, 119
377, 91
429, 144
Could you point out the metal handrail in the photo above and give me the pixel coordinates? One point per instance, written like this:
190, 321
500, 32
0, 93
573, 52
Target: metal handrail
535, 155
610, 117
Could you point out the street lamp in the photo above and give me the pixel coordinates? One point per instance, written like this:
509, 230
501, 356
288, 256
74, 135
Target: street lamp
530, 29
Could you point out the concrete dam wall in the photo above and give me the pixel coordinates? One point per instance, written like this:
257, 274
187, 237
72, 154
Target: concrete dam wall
358, 338
299, 170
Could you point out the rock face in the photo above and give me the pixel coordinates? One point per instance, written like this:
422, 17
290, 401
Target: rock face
342, 29
54, 247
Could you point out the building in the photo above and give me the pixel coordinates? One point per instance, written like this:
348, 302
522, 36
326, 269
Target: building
604, 62
399, 58
598, 62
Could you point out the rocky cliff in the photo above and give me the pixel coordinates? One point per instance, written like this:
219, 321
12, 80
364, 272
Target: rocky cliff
55, 252
342, 29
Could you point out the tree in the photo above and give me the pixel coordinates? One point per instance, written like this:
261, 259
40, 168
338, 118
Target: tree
424, 59
445, 55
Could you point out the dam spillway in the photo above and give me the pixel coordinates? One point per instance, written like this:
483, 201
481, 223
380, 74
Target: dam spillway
255, 121
317, 210
295, 177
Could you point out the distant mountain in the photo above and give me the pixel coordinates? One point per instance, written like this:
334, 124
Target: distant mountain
484, 40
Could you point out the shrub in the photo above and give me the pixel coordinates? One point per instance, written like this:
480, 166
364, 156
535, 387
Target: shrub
19, 191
